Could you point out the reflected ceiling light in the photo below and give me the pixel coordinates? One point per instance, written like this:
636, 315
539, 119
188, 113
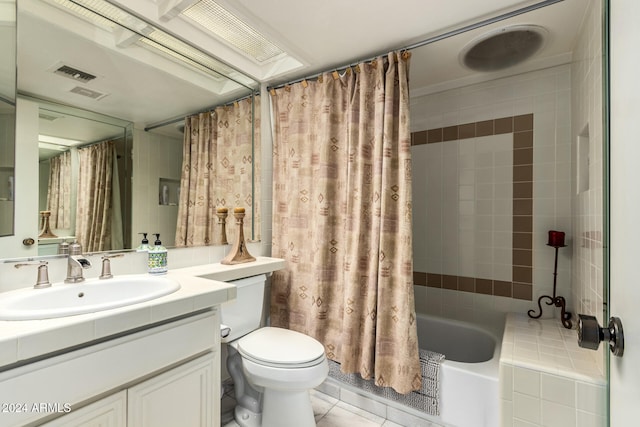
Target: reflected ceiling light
57, 142
228, 27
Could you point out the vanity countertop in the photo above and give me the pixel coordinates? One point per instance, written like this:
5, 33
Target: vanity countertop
225, 273
26, 339
201, 287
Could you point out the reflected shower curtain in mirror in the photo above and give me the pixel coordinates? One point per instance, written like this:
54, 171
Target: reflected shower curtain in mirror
217, 172
98, 226
59, 191
342, 219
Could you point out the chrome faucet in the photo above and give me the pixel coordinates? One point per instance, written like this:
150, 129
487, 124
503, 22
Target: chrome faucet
43, 274
106, 266
76, 262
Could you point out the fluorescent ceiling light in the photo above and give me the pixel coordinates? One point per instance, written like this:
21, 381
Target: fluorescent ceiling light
58, 141
222, 23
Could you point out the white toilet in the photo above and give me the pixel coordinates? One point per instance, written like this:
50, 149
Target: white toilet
273, 369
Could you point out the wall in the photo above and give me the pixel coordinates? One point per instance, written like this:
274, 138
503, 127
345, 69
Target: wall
587, 282
587, 155
462, 208
154, 156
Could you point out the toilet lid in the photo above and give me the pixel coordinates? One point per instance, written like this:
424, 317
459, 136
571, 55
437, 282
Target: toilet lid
280, 347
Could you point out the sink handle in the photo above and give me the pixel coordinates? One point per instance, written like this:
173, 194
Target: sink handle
43, 273
106, 266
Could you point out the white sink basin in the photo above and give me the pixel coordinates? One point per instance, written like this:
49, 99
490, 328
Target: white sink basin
61, 300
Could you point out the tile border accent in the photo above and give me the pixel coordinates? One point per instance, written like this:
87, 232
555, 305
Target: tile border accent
521, 286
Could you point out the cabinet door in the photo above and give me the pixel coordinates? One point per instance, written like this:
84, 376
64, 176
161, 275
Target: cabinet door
107, 412
183, 396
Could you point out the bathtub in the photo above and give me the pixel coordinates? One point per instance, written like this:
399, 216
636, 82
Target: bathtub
468, 376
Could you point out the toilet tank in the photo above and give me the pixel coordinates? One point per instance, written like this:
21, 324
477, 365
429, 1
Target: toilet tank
244, 314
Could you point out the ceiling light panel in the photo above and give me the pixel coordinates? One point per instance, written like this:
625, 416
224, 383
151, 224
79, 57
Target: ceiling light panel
219, 21
98, 13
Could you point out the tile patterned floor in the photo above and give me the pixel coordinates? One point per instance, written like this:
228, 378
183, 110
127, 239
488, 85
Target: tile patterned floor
328, 411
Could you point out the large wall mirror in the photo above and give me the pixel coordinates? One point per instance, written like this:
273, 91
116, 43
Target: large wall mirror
104, 75
7, 113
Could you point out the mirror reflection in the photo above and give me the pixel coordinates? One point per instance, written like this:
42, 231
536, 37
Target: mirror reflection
7, 114
83, 165
135, 73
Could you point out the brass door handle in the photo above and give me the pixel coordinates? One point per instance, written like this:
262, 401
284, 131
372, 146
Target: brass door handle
28, 241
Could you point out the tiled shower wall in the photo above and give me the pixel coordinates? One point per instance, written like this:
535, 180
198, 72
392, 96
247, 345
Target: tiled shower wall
587, 282
469, 225
587, 126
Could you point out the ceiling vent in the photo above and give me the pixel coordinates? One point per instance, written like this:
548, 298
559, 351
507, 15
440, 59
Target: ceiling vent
50, 116
88, 93
74, 73
503, 48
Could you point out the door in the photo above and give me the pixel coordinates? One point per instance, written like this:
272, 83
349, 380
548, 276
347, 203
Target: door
185, 396
625, 208
26, 185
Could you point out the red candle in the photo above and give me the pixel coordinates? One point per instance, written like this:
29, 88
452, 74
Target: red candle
556, 238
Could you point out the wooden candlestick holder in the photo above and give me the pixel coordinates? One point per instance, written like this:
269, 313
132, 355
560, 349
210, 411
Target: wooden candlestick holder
222, 222
239, 253
46, 229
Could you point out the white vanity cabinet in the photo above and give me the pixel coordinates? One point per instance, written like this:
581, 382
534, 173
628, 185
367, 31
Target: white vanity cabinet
162, 375
181, 396
110, 411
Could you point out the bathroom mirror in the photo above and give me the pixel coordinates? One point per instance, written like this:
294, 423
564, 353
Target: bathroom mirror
7, 113
63, 132
119, 66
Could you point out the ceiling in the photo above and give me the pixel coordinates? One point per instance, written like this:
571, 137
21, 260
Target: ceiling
315, 37
333, 33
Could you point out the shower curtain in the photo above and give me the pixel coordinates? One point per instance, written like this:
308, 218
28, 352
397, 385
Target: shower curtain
217, 172
98, 218
59, 191
342, 219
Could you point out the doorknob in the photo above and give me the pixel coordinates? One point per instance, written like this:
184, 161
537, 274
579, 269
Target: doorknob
590, 334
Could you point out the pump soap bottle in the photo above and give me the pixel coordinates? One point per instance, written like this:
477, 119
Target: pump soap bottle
144, 244
157, 257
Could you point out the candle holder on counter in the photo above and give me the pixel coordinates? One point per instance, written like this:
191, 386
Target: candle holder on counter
239, 253
556, 240
46, 228
222, 222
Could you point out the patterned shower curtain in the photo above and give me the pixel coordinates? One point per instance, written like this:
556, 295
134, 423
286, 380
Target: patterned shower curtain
95, 196
59, 191
342, 219
218, 157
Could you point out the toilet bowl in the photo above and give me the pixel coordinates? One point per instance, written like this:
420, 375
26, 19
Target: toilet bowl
273, 369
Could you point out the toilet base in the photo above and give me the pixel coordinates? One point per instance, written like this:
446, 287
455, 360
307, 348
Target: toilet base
246, 418
287, 409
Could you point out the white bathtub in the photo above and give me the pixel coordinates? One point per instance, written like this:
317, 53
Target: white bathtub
469, 374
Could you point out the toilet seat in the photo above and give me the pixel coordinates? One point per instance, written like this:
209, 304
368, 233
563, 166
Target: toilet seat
281, 348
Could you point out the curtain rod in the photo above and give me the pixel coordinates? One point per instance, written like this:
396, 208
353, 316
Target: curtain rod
433, 39
206, 110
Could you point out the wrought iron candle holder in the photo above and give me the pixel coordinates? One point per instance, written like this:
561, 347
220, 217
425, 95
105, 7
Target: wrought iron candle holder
556, 240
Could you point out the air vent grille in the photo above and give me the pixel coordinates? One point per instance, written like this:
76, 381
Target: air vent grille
87, 92
50, 117
74, 73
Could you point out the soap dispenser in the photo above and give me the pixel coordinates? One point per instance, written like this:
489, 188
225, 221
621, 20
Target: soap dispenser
157, 257
144, 244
